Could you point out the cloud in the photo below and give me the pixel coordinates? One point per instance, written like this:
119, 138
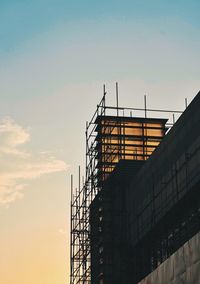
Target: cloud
12, 135
17, 166
63, 232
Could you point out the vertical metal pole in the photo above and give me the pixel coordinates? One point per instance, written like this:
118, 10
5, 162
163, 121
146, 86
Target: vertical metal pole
71, 244
79, 212
145, 106
104, 99
104, 91
173, 118
145, 129
86, 149
186, 103
117, 98
79, 178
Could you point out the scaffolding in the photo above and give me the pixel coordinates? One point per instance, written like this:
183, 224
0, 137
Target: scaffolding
111, 136
81, 199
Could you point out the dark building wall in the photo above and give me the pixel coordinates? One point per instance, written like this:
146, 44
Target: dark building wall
110, 249
182, 267
164, 198
149, 209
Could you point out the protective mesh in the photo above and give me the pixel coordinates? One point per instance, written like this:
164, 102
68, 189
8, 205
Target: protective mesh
183, 267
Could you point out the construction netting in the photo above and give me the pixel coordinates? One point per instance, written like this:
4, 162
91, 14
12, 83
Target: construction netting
183, 267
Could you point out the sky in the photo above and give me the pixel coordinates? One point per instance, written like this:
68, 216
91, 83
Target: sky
55, 56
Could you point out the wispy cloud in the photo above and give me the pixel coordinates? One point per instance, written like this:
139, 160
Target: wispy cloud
12, 136
63, 232
17, 166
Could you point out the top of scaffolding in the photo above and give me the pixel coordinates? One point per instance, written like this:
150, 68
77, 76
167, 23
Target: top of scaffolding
130, 112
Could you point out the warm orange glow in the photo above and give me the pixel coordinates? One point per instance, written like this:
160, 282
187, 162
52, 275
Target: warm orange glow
126, 139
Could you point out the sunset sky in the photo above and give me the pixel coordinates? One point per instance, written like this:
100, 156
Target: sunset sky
55, 56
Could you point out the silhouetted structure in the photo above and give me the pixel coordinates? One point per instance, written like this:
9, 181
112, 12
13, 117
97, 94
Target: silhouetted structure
140, 201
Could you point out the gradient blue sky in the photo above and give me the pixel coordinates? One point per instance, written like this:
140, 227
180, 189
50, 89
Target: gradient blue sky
54, 58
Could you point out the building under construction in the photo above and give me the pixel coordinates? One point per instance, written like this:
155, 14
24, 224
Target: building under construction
136, 218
